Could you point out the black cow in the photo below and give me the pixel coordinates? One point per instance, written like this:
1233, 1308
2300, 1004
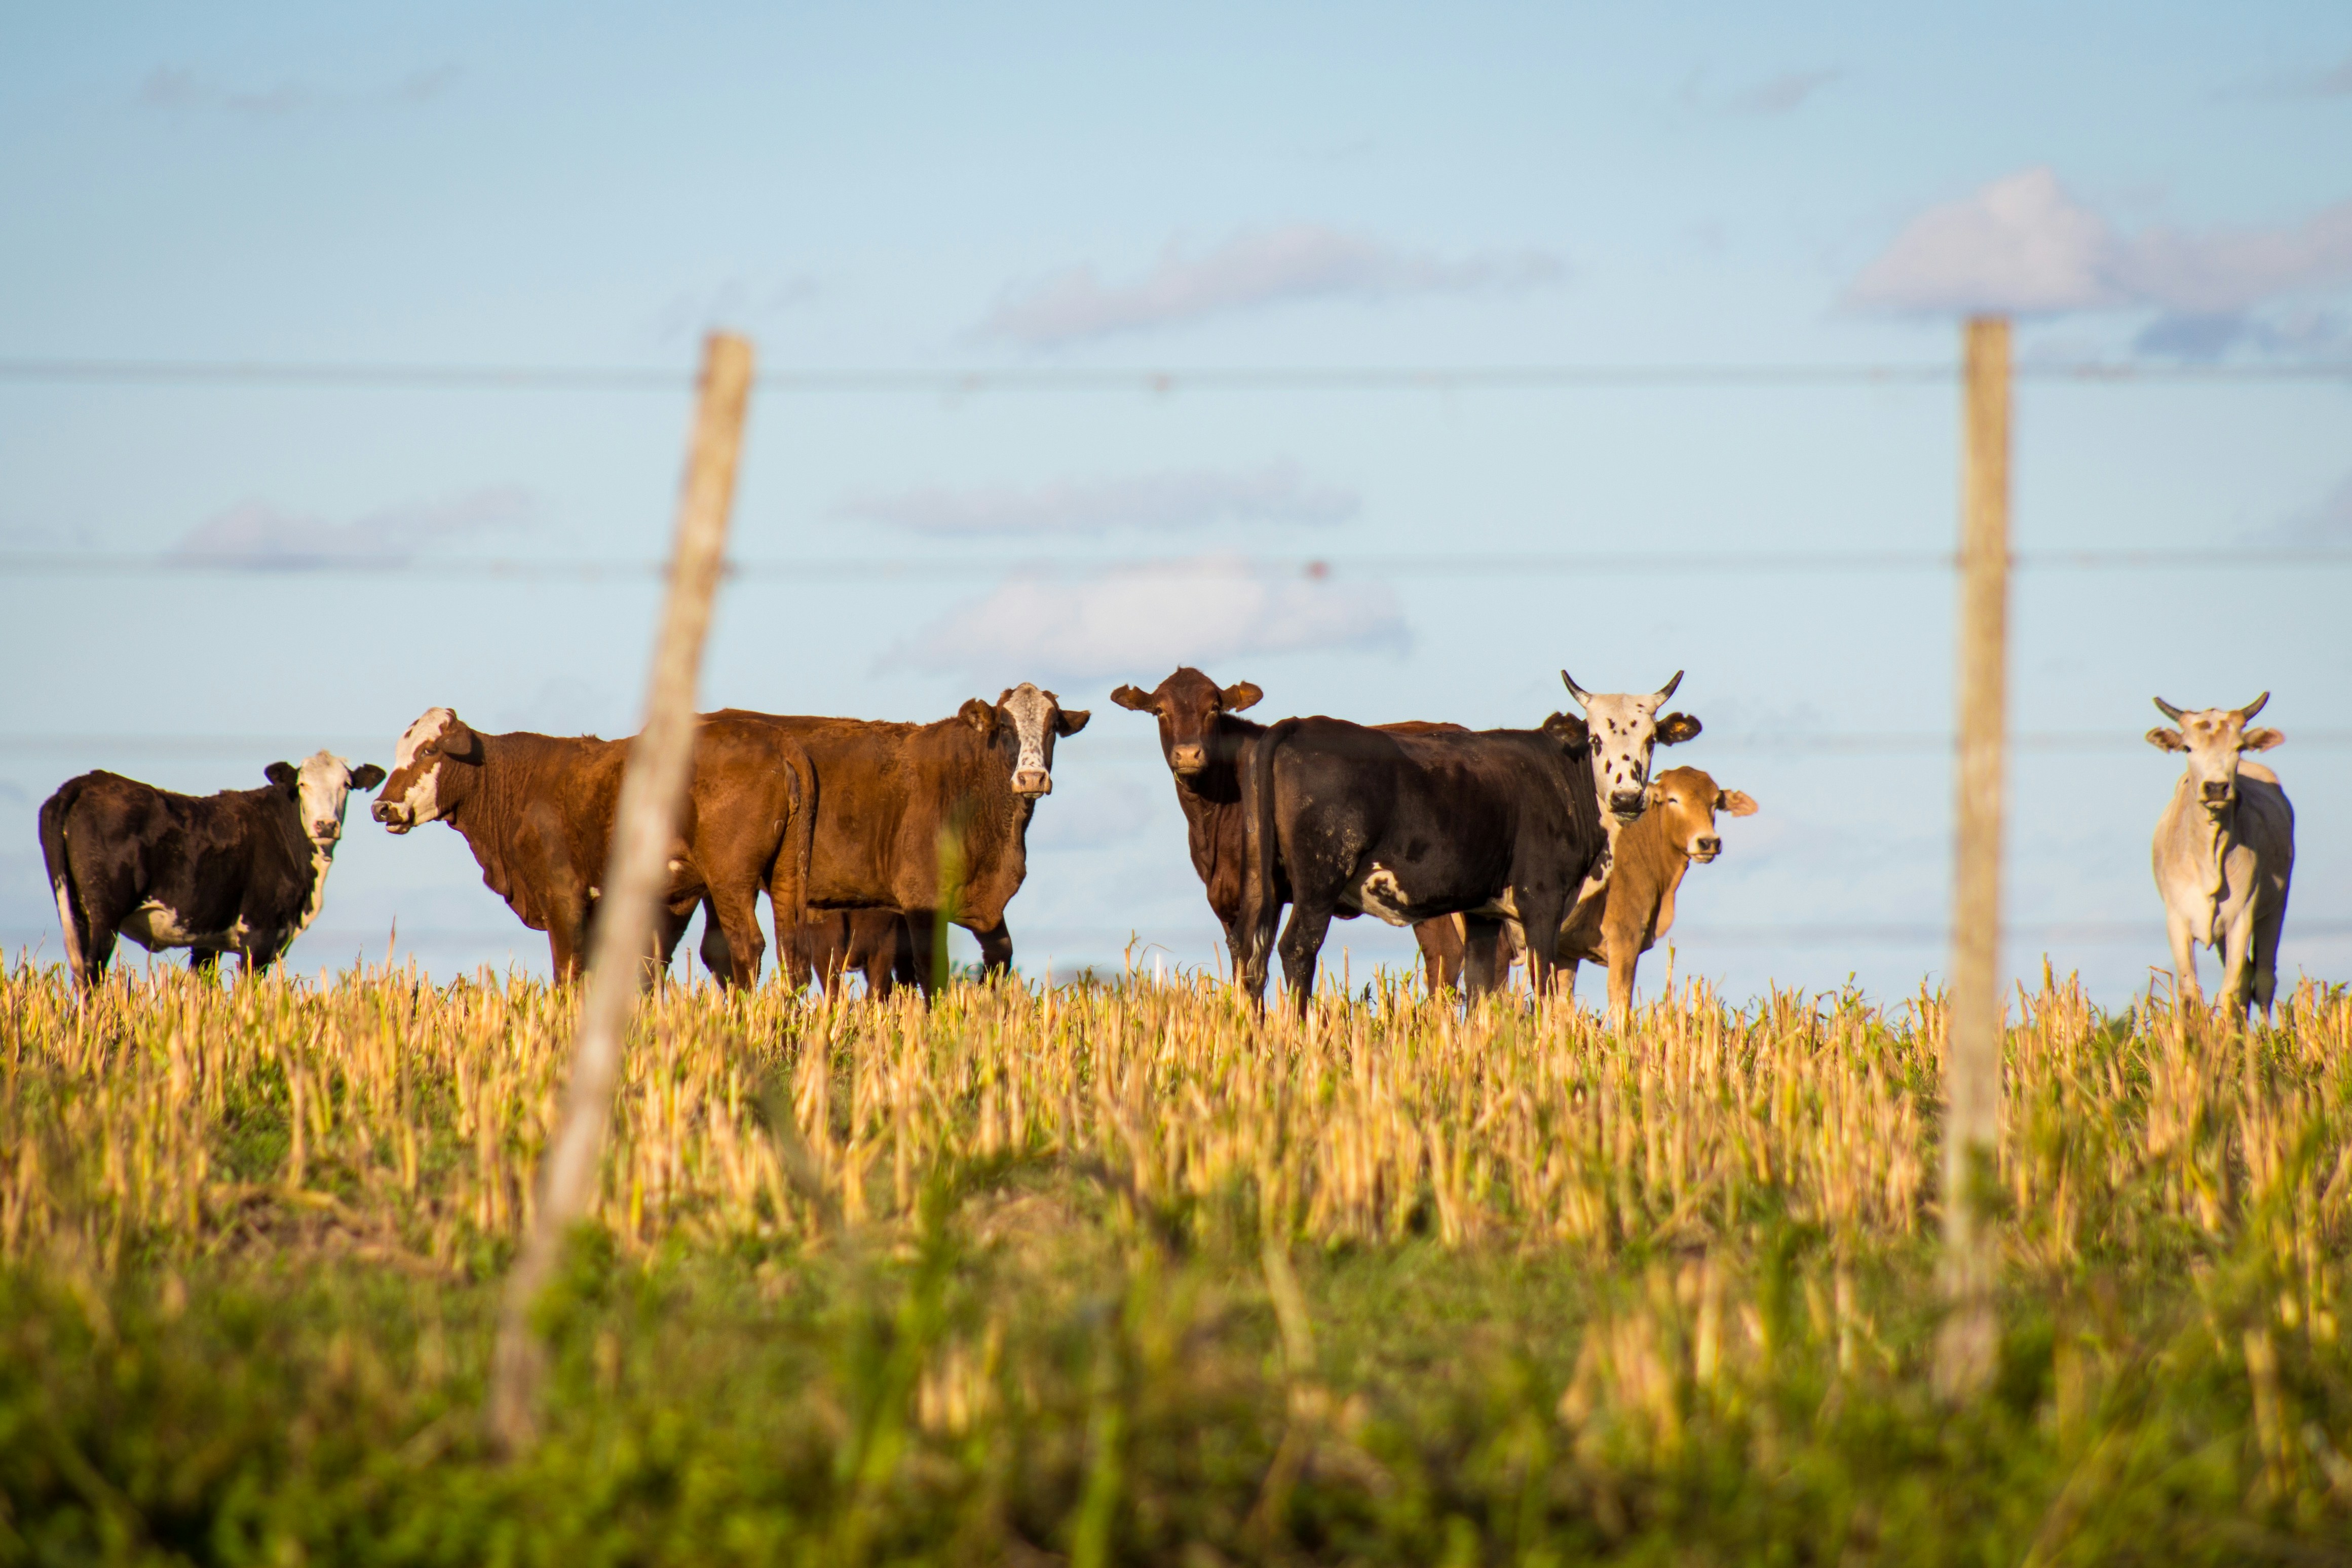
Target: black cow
242, 872
1408, 825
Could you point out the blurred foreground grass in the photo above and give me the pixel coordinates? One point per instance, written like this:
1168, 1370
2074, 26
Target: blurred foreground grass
1117, 1275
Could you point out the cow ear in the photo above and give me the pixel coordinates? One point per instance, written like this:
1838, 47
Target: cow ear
366, 775
1134, 701
1655, 793
2261, 739
2166, 739
1738, 802
1240, 694
1677, 728
1069, 721
1568, 729
979, 714
458, 741
282, 774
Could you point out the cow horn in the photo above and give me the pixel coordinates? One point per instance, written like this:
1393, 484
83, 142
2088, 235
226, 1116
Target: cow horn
1583, 698
2253, 707
1669, 689
2167, 710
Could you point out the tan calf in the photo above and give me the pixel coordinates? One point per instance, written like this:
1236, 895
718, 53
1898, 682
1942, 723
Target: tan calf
1623, 921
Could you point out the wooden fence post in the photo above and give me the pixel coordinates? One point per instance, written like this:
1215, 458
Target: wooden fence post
659, 769
1972, 1050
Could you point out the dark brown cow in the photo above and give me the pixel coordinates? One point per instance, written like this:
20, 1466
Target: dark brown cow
242, 872
928, 820
1411, 824
1203, 741
536, 810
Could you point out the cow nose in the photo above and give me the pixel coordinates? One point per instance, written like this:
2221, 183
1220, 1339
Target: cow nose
2216, 789
326, 830
1188, 758
1709, 846
1031, 781
1625, 802
381, 810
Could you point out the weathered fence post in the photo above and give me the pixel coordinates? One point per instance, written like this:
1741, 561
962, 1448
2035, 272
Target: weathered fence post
651, 791
1965, 1353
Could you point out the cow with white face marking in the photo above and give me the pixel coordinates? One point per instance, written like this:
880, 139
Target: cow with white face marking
930, 819
2224, 853
538, 810
242, 872
1622, 734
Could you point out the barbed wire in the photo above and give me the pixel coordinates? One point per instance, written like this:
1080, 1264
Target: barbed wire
953, 383
952, 569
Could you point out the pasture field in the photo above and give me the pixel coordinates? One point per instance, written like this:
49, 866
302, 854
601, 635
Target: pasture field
1111, 1273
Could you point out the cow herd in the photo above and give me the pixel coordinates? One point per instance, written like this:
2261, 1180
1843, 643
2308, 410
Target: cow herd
869, 838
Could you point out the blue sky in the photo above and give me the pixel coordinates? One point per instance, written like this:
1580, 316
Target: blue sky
915, 188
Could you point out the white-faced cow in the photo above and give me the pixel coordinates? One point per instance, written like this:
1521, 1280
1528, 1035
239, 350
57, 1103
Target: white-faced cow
536, 810
930, 819
242, 872
2224, 853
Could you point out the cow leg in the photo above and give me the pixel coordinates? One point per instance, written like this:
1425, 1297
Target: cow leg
734, 913
1481, 963
1440, 941
717, 957
2184, 959
203, 962
995, 950
2266, 947
2237, 966
1302, 944
926, 934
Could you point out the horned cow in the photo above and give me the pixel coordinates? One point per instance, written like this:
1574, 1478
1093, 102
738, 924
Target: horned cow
2224, 853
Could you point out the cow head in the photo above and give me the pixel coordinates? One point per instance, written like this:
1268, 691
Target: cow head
1029, 721
319, 790
1187, 705
1686, 799
419, 790
1621, 731
2213, 738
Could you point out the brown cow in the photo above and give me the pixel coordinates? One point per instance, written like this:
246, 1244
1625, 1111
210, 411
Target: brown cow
928, 820
536, 811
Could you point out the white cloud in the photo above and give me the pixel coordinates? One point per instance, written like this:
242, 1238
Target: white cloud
1168, 501
1148, 619
2023, 244
1784, 93
257, 535
1262, 268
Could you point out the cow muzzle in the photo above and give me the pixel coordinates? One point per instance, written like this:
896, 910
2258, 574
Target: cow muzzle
1628, 803
1187, 759
1707, 848
393, 814
2216, 792
326, 832
1031, 782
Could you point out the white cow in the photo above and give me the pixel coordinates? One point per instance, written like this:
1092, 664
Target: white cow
2224, 853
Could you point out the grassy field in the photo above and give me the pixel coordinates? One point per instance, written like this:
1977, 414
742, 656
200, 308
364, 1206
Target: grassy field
1114, 1274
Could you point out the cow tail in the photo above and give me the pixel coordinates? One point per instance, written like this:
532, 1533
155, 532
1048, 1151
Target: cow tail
800, 838
1261, 904
60, 870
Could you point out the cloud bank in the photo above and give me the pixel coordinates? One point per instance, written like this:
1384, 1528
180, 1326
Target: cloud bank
260, 536
1172, 501
2023, 244
1248, 272
1145, 619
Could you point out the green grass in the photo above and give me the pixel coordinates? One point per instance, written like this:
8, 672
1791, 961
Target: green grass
1045, 1352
